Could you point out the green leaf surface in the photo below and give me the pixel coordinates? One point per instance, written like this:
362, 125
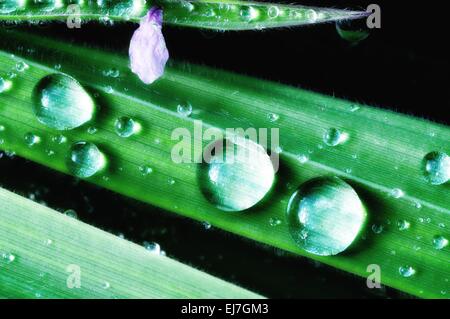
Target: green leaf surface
45, 254
382, 159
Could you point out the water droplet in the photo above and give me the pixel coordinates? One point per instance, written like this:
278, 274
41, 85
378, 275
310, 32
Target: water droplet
272, 117
406, 271
354, 108
377, 228
303, 159
92, 130
48, 242
113, 73
145, 170
441, 225
57, 67
8, 257
439, 242
59, 139
396, 193
325, 216
206, 225
184, 109
106, 285
5, 85
48, 5
31, 139
85, 159
312, 15
248, 13
71, 213
273, 12
353, 31
126, 126
60, 102
170, 181
109, 89
152, 247
236, 174
21, 66
417, 205
403, 225
274, 221
333, 137
436, 168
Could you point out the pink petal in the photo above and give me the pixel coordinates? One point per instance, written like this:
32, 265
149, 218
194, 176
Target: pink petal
148, 51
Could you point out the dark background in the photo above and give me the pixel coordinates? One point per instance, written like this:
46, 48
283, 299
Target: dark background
404, 66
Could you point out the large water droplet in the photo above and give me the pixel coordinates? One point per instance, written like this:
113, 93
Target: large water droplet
60, 102
236, 174
436, 168
126, 126
8, 6
353, 31
85, 159
325, 216
439, 242
333, 137
406, 271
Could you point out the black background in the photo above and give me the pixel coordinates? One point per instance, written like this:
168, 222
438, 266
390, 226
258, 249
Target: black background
404, 66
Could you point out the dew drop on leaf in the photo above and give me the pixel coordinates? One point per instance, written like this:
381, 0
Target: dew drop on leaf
272, 117
5, 85
334, 137
8, 257
325, 216
236, 174
145, 170
152, 247
273, 12
403, 225
377, 228
184, 109
31, 139
436, 168
248, 13
8, 6
61, 103
353, 31
85, 159
440, 242
406, 271
126, 126
71, 213
396, 193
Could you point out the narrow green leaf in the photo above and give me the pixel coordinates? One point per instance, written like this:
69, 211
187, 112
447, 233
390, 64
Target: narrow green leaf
208, 14
45, 254
381, 157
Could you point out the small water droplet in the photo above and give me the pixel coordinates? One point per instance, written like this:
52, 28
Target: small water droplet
106, 285
92, 130
436, 168
312, 15
273, 12
71, 213
5, 85
439, 242
403, 225
441, 225
184, 109
334, 137
109, 89
206, 225
248, 13
21, 66
48, 242
113, 73
236, 174
406, 271
31, 139
303, 159
377, 228
126, 126
274, 221
145, 170
325, 216
57, 67
152, 247
60, 102
417, 205
85, 159
272, 117
59, 139
8, 257
170, 181
354, 108
396, 193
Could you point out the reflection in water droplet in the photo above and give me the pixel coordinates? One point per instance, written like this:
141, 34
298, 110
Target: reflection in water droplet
333, 137
126, 126
60, 102
236, 174
439, 242
406, 271
85, 159
436, 168
325, 216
